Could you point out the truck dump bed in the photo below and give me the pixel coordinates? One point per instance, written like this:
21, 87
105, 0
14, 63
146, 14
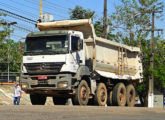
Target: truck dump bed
110, 59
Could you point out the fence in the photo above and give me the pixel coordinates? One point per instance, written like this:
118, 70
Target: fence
164, 98
13, 77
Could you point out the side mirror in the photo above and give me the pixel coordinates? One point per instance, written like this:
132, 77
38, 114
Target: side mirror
80, 44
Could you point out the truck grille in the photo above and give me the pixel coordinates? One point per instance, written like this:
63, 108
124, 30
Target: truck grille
42, 82
43, 68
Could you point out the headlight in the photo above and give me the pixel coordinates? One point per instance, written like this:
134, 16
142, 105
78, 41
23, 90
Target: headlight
24, 85
62, 84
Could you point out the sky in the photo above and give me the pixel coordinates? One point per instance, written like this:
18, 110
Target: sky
58, 8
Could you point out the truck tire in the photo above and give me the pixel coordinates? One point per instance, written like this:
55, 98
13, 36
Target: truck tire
82, 94
38, 99
119, 95
130, 95
59, 101
109, 99
101, 95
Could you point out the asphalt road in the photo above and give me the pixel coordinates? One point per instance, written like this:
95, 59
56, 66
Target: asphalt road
79, 113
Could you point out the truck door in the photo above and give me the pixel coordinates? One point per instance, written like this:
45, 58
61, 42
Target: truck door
77, 50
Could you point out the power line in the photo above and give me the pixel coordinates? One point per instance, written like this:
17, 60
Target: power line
61, 11
21, 27
11, 14
23, 5
70, 2
50, 8
57, 5
18, 36
18, 10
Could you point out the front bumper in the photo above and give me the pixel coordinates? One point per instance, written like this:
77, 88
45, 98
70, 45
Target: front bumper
60, 82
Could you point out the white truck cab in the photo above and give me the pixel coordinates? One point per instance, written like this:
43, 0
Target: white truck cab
53, 47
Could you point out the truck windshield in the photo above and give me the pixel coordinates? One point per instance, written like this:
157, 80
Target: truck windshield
46, 45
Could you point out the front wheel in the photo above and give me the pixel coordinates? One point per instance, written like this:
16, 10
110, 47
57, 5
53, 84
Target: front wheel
38, 99
82, 94
101, 95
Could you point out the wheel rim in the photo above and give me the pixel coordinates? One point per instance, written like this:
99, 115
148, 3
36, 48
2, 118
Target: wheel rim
131, 95
102, 95
122, 96
83, 93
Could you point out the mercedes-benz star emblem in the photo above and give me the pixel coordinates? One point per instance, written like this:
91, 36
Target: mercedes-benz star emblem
42, 67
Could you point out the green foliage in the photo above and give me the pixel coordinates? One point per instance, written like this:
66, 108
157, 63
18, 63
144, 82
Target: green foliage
131, 21
5, 43
15, 57
80, 13
159, 59
98, 25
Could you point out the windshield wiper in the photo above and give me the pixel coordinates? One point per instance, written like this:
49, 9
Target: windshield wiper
32, 53
53, 52
44, 52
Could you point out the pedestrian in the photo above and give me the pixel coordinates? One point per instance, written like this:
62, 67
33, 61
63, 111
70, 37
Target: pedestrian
17, 94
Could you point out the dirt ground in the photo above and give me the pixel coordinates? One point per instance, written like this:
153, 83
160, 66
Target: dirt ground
26, 112
6, 96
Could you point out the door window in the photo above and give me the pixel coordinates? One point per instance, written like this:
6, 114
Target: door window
75, 43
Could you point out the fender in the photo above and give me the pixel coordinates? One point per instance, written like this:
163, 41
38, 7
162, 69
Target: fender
82, 70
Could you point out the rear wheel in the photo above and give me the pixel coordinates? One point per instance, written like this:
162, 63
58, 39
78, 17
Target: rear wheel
130, 95
59, 101
38, 99
119, 95
101, 95
82, 94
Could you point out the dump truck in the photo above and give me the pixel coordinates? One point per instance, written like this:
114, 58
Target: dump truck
66, 60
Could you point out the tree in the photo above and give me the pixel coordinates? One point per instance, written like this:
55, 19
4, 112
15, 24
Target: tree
130, 21
80, 13
159, 71
15, 57
3, 31
3, 34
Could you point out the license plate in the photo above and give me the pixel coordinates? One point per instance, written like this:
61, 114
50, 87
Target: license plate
43, 77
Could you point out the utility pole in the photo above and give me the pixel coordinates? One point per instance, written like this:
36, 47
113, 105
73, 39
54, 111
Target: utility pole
20, 45
152, 46
105, 34
40, 11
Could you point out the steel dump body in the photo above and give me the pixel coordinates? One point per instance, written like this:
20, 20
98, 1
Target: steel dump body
109, 59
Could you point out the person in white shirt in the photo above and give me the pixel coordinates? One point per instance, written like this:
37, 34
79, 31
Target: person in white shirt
17, 94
